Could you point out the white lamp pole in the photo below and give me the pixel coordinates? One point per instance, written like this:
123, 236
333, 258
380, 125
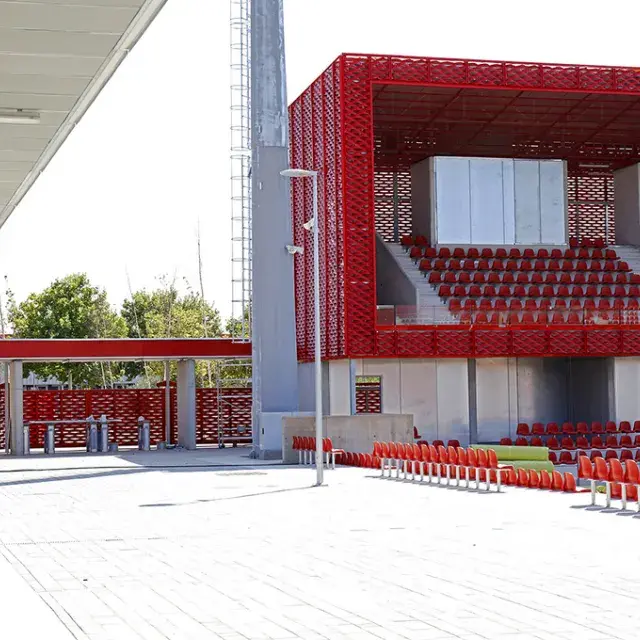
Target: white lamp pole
313, 223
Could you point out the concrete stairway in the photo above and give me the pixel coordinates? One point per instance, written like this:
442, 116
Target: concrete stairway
430, 306
630, 255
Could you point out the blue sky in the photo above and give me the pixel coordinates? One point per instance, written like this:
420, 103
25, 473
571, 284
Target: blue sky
150, 159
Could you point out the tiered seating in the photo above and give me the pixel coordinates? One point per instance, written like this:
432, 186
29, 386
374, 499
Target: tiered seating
569, 441
575, 285
621, 480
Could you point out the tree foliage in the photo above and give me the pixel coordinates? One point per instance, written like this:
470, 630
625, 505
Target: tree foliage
73, 308
70, 307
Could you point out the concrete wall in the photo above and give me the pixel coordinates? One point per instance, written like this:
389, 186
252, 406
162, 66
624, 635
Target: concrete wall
435, 392
393, 287
307, 388
493, 201
513, 390
626, 386
627, 205
351, 433
421, 194
591, 389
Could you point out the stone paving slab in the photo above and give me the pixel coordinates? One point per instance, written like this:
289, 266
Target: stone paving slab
258, 554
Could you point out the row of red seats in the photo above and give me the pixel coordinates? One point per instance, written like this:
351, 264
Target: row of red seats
508, 277
439, 463
535, 291
306, 448
532, 479
453, 264
552, 428
621, 481
544, 304
513, 318
581, 442
567, 457
514, 253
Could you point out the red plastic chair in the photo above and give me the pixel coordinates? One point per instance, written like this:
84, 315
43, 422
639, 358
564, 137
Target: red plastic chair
569, 482
557, 481
545, 479
586, 471
523, 478
534, 479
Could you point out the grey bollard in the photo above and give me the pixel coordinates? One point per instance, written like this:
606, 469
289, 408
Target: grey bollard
103, 440
92, 437
143, 435
25, 436
50, 439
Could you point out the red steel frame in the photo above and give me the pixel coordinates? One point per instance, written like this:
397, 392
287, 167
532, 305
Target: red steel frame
332, 132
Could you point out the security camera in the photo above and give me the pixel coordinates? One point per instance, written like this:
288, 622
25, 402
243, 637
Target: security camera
308, 225
292, 249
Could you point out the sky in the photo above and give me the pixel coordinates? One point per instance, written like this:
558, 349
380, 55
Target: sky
150, 160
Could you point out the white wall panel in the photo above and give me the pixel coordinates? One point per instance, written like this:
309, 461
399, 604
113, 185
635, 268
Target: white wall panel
627, 205
487, 207
497, 201
419, 395
389, 371
626, 372
527, 190
493, 399
339, 388
453, 400
553, 202
452, 206
509, 202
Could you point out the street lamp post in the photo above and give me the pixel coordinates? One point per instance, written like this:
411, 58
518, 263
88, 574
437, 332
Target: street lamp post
314, 225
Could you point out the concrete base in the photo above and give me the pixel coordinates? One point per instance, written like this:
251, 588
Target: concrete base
355, 434
271, 426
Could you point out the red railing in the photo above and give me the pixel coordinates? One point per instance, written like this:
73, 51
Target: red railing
127, 405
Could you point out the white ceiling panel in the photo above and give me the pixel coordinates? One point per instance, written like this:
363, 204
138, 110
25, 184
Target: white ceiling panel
65, 18
61, 66
55, 57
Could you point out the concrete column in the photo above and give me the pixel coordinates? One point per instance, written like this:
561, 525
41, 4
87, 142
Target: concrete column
187, 404
273, 333
15, 401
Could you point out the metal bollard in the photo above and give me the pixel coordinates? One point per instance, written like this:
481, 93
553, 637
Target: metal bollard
103, 441
26, 443
143, 434
92, 437
50, 439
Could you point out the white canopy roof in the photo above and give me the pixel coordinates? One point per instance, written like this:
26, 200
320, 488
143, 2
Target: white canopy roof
55, 57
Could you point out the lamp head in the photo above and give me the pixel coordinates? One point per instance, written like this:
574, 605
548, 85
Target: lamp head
298, 173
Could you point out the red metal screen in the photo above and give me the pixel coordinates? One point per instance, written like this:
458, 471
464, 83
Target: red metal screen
316, 143
591, 207
368, 397
536, 112
393, 203
127, 405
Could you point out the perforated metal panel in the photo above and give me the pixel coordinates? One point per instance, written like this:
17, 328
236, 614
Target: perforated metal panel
591, 207
368, 397
316, 143
127, 405
393, 203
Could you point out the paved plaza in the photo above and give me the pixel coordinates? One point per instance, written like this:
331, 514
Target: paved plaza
168, 545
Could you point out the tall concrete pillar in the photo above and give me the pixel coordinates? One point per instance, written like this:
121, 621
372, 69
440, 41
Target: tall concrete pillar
275, 377
186, 393
15, 410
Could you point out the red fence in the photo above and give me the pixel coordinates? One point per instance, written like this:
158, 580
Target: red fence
129, 404
368, 397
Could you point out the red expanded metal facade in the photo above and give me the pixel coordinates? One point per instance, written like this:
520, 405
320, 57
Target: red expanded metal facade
363, 143
127, 405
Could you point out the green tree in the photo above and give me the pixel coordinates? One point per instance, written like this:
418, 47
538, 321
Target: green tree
164, 313
70, 307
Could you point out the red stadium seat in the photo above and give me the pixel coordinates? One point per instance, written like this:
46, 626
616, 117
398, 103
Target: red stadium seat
514, 253
450, 277
494, 278
552, 428
454, 264
415, 253
454, 305
577, 292
596, 443
486, 253
540, 265
435, 277
552, 443
506, 442
458, 252
622, 278
536, 441
504, 291
460, 291
625, 427
538, 428
489, 291
501, 253
567, 265
536, 278
605, 291
566, 278
485, 304
582, 443
519, 291
611, 427
430, 252
531, 305
497, 265
566, 458
563, 291
579, 278
508, 278
560, 304
525, 265
469, 265
522, 442
542, 253
622, 266
595, 266
444, 253
547, 291
582, 427
475, 291
512, 265
483, 265
523, 278
522, 429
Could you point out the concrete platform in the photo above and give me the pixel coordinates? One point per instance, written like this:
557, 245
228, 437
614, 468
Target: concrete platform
184, 552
